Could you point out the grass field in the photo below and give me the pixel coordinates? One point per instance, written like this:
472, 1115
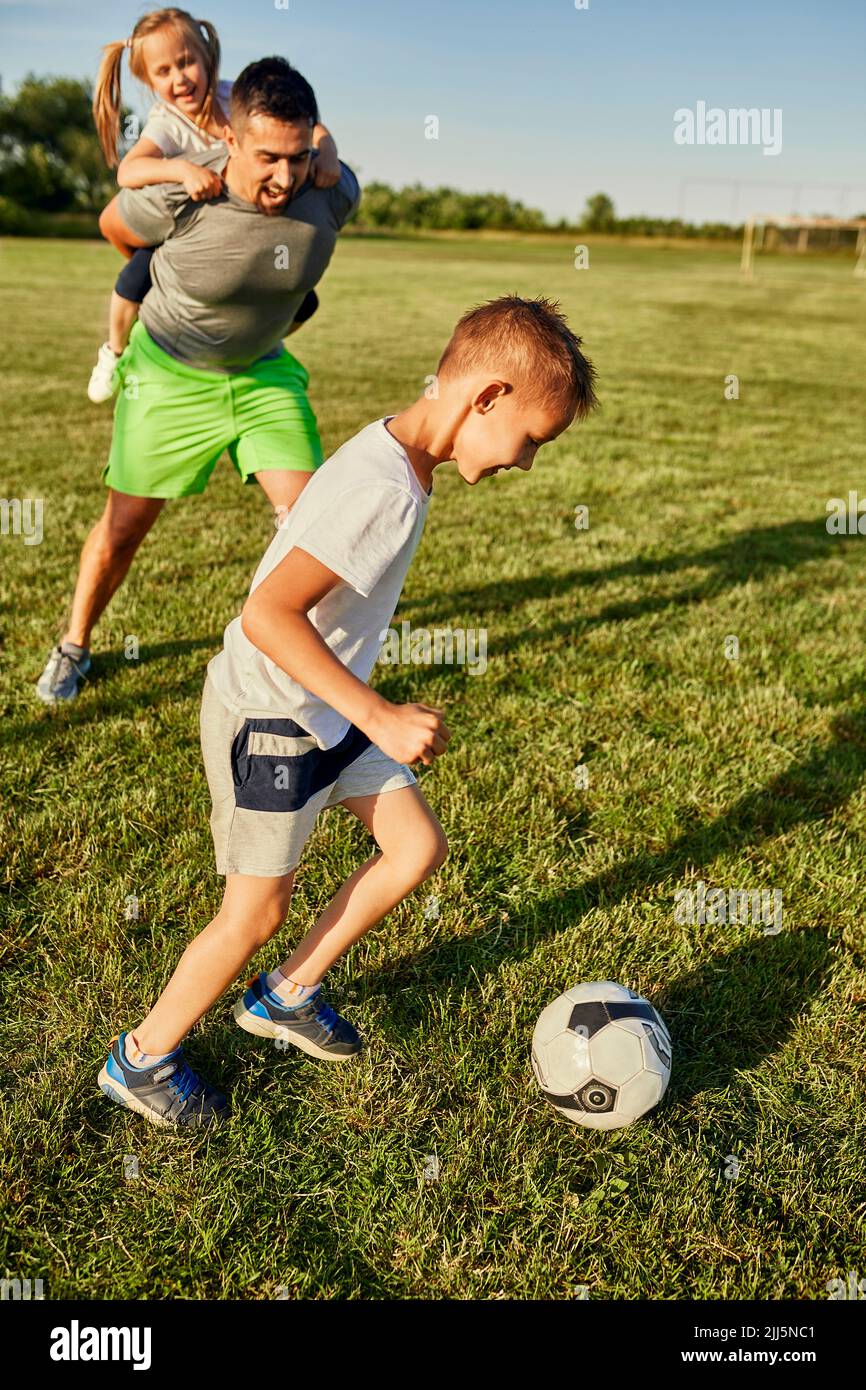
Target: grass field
606, 648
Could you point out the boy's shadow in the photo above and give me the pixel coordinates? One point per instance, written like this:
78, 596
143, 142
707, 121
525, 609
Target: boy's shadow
774, 973
749, 554
738, 1007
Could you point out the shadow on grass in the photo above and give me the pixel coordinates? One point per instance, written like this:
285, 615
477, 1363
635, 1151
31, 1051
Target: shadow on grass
773, 973
738, 1008
745, 555
91, 707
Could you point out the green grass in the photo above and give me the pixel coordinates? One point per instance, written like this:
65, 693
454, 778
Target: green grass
606, 647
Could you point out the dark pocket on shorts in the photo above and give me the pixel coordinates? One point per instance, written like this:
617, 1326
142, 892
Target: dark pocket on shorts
274, 764
277, 766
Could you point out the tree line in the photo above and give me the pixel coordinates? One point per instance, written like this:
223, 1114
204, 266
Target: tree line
54, 181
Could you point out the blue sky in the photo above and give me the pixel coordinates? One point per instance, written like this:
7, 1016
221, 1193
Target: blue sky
541, 100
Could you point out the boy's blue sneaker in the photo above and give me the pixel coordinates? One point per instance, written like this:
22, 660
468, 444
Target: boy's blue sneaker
168, 1093
314, 1027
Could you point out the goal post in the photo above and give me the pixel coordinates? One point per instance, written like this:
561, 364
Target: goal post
757, 223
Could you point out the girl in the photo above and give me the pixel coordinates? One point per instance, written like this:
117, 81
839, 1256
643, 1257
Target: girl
177, 57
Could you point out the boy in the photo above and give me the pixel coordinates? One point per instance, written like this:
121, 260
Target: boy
289, 725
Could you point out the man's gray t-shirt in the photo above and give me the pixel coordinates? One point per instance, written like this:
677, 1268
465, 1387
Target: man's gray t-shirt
227, 278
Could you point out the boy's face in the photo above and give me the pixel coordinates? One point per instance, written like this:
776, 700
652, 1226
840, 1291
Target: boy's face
505, 428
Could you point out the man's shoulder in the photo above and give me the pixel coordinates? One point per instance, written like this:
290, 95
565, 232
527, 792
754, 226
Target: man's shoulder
171, 198
340, 201
217, 157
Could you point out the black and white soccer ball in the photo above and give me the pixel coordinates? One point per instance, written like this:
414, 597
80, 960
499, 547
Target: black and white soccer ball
601, 1055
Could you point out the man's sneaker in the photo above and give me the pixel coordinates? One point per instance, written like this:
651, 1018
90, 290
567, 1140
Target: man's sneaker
103, 380
59, 681
313, 1026
168, 1093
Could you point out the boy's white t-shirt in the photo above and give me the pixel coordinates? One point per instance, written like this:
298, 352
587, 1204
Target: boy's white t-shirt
175, 133
361, 514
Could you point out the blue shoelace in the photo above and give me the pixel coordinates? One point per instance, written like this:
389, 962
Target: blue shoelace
327, 1017
184, 1081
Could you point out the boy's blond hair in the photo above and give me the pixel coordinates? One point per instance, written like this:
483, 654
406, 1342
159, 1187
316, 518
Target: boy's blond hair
530, 342
200, 34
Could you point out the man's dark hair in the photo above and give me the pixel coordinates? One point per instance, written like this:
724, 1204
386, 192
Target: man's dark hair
272, 87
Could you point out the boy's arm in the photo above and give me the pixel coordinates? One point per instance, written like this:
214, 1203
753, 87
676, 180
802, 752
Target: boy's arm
274, 619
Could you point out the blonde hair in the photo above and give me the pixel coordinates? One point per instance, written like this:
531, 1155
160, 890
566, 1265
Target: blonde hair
529, 338
201, 36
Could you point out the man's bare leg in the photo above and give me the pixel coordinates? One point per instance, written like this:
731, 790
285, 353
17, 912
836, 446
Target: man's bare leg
282, 487
107, 555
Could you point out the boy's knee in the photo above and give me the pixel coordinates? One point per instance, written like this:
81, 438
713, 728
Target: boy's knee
269, 926
257, 930
429, 856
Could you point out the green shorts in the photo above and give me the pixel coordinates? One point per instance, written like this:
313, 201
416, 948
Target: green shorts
172, 422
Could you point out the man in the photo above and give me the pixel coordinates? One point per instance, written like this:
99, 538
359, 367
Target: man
205, 369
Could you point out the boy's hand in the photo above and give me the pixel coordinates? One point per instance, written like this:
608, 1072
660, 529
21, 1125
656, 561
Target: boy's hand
325, 170
408, 733
201, 183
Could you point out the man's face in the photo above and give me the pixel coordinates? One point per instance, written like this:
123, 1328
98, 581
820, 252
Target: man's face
269, 160
505, 428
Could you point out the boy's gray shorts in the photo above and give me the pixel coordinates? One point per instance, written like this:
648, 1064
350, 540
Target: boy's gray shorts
269, 780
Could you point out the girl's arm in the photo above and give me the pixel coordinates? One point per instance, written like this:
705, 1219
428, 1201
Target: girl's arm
326, 167
145, 164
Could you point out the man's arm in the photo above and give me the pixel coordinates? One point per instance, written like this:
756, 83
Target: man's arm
274, 619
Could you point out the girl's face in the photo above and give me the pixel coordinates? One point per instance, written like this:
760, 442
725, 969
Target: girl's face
175, 70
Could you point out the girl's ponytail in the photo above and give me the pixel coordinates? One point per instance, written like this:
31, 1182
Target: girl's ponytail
210, 49
106, 99
199, 33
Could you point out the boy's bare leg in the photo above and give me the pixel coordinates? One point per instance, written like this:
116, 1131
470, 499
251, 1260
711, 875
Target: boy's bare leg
252, 910
107, 555
121, 316
412, 846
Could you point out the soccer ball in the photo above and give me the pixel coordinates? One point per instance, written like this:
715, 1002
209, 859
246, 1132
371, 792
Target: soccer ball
601, 1055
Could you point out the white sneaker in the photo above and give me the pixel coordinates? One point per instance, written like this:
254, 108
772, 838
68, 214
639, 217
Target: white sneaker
103, 381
